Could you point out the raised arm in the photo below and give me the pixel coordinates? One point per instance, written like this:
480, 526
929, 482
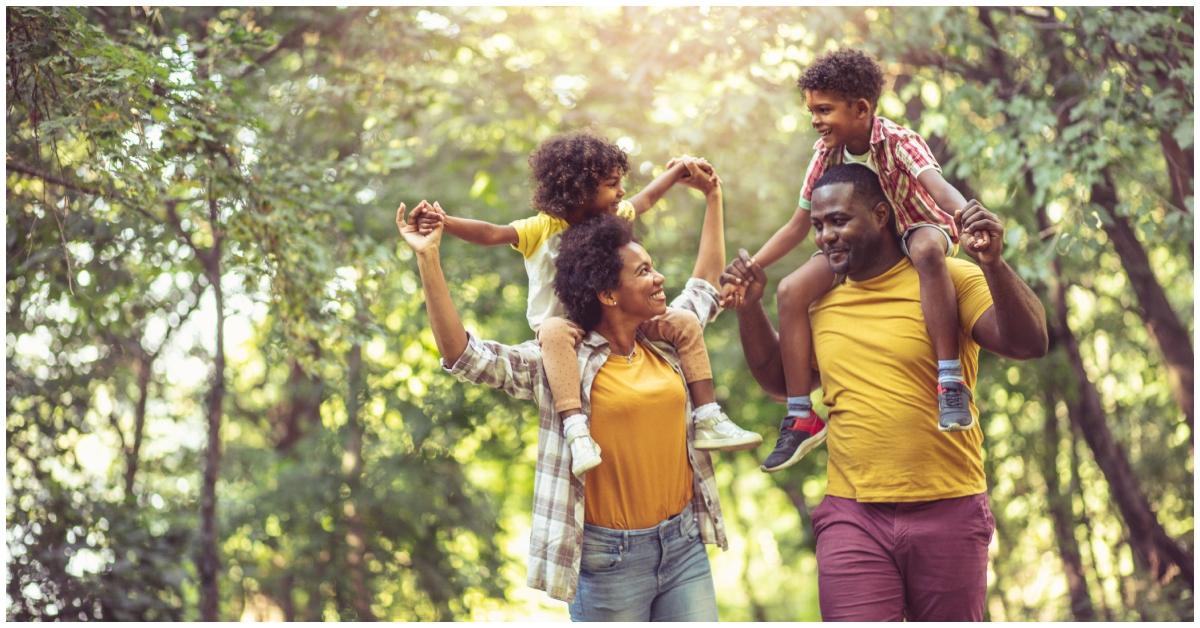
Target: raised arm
480, 231
788, 237
677, 169
710, 259
1015, 325
760, 342
448, 330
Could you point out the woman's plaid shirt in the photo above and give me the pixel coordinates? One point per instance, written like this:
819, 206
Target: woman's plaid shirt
555, 543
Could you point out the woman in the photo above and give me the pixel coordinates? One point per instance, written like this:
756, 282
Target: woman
627, 545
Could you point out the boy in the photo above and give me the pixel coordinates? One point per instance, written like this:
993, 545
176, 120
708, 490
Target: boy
578, 176
842, 90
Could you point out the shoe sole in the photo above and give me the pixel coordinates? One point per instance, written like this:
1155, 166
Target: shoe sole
746, 442
955, 427
812, 443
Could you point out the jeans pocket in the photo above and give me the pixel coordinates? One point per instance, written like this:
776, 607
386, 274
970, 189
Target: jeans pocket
989, 521
599, 557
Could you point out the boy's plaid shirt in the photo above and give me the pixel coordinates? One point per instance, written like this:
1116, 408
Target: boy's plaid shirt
555, 543
900, 154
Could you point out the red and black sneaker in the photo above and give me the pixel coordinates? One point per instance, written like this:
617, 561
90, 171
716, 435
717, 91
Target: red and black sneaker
797, 437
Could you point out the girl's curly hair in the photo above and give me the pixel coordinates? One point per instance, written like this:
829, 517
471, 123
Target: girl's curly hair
851, 73
589, 261
568, 169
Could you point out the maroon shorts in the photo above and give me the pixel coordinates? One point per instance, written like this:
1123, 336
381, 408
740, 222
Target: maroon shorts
919, 561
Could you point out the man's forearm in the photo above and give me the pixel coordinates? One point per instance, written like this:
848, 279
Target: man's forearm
448, 330
1020, 317
760, 345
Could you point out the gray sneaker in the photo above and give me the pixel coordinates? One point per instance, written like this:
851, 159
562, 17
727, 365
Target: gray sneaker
954, 407
717, 432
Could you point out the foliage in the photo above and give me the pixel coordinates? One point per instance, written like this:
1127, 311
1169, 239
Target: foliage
358, 481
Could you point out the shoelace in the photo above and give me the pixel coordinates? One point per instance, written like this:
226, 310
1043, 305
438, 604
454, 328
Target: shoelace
953, 397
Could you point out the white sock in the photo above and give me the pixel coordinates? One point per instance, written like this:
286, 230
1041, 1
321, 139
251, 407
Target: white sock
576, 423
707, 410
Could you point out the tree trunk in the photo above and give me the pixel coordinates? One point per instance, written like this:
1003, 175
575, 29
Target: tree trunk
1156, 552
1061, 515
208, 562
132, 456
1168, 332
356, 537
1085, 519
1180, 166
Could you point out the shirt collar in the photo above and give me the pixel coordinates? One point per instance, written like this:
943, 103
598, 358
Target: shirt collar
877, 131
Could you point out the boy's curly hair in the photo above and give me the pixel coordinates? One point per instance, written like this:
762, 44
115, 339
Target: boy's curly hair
851, 73
568, 169
589, 261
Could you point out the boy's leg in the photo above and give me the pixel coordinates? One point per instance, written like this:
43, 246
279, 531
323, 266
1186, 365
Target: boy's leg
801, 430
713, 430
558, 337
927, 246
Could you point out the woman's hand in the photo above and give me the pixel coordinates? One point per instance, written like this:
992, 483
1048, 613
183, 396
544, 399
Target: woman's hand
423, 227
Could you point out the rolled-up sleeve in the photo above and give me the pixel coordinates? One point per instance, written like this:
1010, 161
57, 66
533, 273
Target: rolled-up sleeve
514, 369
700, 298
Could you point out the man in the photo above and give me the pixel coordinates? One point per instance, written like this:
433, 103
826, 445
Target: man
904, 528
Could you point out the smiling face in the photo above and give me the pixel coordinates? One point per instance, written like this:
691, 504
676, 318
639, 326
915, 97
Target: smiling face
850, 233
608, 195
639, 294
839, 121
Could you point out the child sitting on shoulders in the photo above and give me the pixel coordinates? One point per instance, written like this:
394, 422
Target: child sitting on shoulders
842, 90
578, 176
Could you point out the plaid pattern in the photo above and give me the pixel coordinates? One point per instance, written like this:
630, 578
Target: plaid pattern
555, 543
900, 154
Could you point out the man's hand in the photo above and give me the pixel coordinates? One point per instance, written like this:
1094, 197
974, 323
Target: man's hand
748, 281
411, 229
984, 235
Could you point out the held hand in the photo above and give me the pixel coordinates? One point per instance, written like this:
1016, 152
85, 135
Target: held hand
748, 277
695, 173
430, 219
982, 233
410, 228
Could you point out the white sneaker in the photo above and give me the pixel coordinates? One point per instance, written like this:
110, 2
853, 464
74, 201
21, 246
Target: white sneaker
717, 432
585, 454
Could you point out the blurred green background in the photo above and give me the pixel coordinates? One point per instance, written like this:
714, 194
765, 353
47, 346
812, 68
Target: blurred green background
223, 400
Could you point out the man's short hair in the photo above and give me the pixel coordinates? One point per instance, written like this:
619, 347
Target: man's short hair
862, 180
850, 73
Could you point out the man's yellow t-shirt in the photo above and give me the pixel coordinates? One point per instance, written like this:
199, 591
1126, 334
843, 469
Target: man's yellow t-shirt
537, 240
639, 419
879, 381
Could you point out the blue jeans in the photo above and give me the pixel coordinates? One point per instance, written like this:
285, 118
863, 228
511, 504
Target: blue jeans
653, 574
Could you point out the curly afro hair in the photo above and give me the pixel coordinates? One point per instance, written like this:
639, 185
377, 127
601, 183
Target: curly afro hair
568, 169
851, 73
589, 262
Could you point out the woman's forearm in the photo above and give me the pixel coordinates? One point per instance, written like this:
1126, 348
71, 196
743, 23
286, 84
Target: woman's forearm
710, 260
448, 330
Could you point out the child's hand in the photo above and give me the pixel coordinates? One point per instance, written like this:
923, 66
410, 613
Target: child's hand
984, 234
732, 296
432, 218
410, 229
696, 173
